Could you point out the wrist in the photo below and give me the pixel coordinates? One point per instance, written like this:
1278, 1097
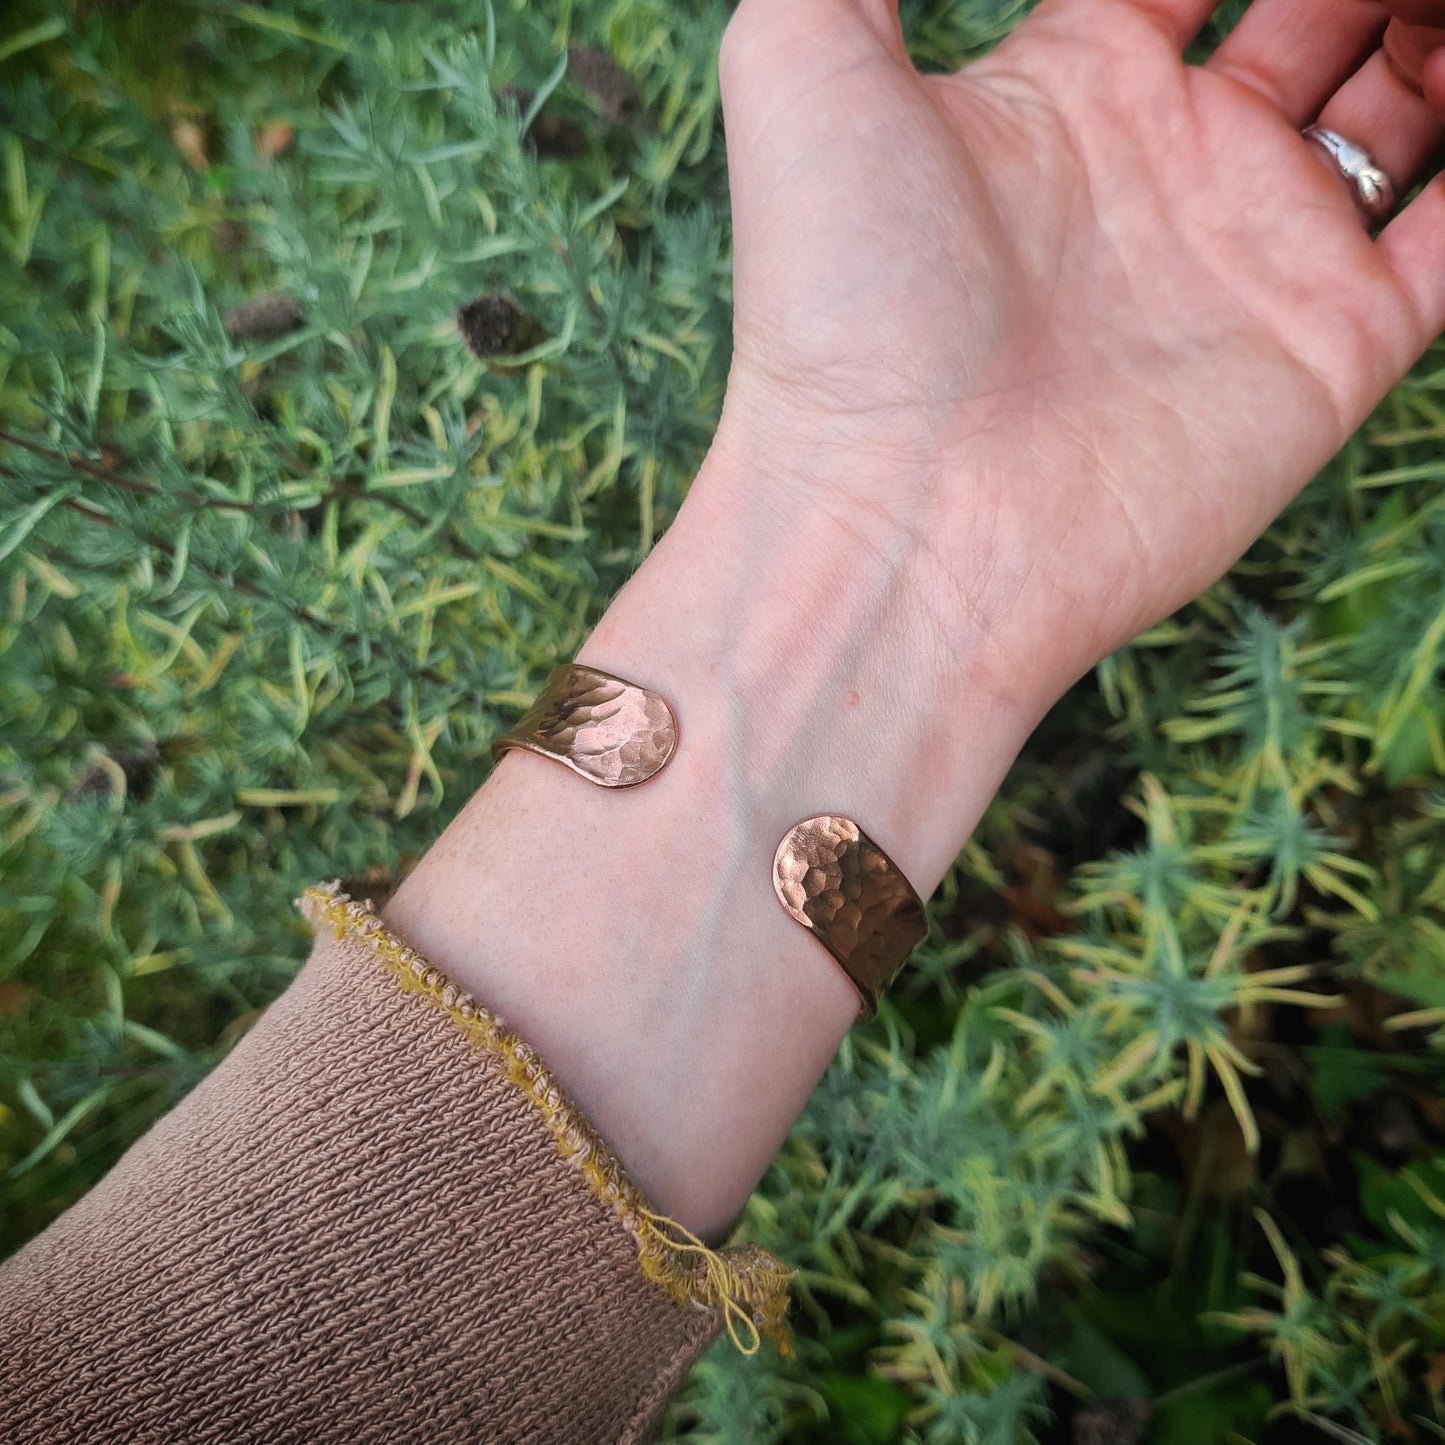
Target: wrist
832, 660
633, 936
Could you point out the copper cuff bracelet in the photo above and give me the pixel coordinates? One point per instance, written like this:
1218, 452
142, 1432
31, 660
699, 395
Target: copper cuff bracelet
829, 875
611, 732
841, 886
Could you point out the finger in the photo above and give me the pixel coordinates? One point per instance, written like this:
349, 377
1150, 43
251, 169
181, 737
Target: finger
1418, 12
1376, 109
883, 16
1411, 246
1180, 20
1432, 81
1297, 53
1408, 47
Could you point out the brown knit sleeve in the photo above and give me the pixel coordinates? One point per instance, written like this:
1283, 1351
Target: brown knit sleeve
379, 1220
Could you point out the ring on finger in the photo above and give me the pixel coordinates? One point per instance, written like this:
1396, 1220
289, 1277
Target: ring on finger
1373, 189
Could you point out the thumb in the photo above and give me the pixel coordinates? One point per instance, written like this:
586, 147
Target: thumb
773, 47
880, 15
788, 71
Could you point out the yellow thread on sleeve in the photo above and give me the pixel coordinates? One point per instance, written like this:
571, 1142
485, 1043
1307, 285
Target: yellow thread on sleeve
747, 1283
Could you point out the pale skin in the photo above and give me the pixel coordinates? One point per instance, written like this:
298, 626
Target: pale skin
1026, 357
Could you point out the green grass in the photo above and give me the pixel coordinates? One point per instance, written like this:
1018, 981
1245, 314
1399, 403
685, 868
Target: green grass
264, 598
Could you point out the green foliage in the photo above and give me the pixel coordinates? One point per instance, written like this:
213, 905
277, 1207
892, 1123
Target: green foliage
270, 579
1367, 1346
265, 599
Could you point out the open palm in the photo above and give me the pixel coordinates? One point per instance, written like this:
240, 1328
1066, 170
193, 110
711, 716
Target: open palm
1077, 321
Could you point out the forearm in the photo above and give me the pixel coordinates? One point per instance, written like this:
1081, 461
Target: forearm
633, 936
364, 1225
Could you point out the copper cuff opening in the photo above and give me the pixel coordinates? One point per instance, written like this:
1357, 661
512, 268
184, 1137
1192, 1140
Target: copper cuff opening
841, 886
611, 732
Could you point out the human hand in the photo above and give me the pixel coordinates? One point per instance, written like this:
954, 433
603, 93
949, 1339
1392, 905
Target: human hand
1025, 358
1060, 334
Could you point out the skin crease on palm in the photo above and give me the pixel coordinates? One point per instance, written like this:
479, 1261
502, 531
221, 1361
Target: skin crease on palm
1095, 315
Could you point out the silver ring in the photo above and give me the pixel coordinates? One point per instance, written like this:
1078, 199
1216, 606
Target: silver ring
1372, 187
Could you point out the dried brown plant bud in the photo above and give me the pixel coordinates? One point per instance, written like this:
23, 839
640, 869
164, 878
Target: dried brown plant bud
91, 784
273, 139
1117, 1420
557, 136
596, 72
494, 325
263, 318
190, 139
114, 771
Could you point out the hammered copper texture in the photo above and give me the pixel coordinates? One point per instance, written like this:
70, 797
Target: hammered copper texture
611, 732
841, 886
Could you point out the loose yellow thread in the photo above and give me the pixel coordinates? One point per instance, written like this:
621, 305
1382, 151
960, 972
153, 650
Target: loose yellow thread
765, 1282
747, 1283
